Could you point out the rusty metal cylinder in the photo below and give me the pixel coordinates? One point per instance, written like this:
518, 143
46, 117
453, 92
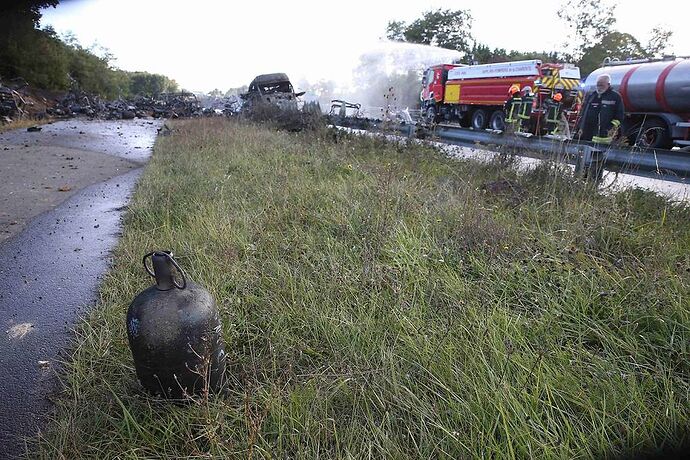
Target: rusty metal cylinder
174, 334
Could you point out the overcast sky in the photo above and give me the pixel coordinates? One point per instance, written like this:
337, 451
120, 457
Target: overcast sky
221, 44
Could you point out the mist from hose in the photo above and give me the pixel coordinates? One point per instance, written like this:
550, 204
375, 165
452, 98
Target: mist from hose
387, 74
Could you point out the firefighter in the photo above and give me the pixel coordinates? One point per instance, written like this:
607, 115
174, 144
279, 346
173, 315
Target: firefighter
525, 114
602, 113
512, 105
553, 112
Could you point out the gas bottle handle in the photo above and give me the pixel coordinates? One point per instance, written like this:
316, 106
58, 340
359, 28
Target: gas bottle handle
169, 255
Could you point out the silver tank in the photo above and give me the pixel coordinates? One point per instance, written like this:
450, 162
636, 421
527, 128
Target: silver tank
641, 91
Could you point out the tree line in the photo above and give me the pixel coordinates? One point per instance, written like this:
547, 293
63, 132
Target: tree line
591, 36
47, 61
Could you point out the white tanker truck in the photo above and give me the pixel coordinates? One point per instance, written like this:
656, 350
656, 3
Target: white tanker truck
656, 95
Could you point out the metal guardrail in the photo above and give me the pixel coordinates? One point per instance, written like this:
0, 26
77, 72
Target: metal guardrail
671, 165
662, 164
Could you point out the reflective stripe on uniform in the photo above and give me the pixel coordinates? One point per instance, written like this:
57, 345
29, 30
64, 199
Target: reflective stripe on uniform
514, 103
602, 140
552, 113
526, 107
552, 117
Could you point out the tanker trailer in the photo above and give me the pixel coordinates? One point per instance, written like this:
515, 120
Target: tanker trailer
656, 96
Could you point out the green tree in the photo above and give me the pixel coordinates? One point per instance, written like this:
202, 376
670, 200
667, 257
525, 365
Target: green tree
443, 28
593, 38
658, 43
587, 21
614, 45
18, 39
14, 11
145, 83
482, 54
51, 62
452, 30
396, 31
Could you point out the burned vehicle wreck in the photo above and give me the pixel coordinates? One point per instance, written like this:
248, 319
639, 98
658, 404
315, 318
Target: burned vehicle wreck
272, 89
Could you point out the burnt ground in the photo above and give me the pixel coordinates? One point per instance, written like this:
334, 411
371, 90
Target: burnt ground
54, 247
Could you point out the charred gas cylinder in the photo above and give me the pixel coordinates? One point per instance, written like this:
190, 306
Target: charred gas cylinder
175, 333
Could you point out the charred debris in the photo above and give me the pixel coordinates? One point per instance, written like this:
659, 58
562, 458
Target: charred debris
19, 100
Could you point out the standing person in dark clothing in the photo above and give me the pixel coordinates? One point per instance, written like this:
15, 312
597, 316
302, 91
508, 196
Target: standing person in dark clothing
553, 112
602, 113
512, 106
525, 114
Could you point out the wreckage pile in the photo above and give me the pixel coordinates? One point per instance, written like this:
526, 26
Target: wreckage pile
18, 100
11, 103
268, 97
227, 105
165, 105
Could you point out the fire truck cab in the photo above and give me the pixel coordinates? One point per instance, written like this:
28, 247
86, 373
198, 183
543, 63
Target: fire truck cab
433, 88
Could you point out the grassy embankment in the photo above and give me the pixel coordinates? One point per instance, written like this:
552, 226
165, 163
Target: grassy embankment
379, 302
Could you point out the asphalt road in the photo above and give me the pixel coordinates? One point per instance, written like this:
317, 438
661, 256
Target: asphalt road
39, 170
50, 271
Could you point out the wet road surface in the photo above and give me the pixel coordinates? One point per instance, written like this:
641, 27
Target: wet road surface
125, 139
49, 273
39, 170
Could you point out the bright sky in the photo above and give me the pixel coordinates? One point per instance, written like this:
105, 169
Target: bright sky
209, 44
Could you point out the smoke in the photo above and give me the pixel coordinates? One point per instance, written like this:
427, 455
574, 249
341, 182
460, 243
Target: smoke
386, 75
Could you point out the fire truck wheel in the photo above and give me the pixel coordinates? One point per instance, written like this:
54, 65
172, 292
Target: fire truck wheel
498, 120
479, 119
430, 115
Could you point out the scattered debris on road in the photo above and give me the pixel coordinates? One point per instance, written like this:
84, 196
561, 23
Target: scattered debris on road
19, 331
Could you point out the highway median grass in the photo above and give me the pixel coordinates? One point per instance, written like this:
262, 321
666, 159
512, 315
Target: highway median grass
380, 300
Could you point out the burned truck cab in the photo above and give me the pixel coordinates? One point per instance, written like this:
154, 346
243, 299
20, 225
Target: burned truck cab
273, 89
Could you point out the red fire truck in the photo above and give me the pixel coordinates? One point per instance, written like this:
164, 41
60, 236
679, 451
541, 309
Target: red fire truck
475, 95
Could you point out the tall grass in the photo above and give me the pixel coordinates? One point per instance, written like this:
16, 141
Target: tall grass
381, 301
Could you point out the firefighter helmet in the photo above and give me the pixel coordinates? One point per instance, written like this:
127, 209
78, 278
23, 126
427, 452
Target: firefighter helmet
527, 90
557, 97
514, 89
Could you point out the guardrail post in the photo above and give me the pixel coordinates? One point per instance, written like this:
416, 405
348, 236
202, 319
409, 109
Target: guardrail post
590, 164
410, 130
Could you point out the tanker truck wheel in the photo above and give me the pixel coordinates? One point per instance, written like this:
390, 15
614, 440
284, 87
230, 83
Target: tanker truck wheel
653, 134
479, 119
498, 120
